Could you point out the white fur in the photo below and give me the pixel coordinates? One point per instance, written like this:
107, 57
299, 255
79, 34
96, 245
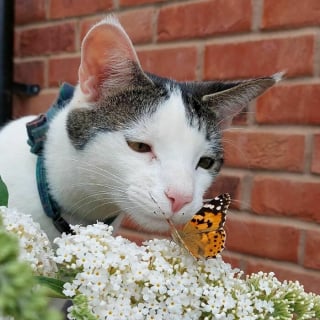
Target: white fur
107, 176
125, 178
17, 169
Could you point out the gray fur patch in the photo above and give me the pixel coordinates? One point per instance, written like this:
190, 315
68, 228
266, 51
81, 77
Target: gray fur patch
114, 113
125, 107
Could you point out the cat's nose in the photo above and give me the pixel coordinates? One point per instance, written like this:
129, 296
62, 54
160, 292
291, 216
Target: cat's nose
178, 200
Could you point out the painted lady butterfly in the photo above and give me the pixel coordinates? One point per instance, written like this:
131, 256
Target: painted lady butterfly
203, 236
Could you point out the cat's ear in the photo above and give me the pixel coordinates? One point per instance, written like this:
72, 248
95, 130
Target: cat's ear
226, 104
108, 60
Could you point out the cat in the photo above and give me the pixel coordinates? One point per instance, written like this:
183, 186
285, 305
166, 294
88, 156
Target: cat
128, 142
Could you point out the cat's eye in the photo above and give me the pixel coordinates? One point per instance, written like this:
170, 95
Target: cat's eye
139, 146
206, 163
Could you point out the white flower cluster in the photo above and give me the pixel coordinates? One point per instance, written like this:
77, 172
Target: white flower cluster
34, 244
159, 281
112, 278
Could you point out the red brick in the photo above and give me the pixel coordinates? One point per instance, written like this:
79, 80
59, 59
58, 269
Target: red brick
16, 43
45, 40
296, 104
284, 13
309, 280
72, 8
86, 24
63, 70
315, 165
241, 119
128, 224
264, 150
134, 236
230, 60
284, 197
138, 24
137, 2
29, 72
267, 240
29, 11
226, 183
311, 254
178, 63
33, 105
235, 262
212, 17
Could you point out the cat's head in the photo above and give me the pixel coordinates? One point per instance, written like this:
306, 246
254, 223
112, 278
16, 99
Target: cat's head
153, 144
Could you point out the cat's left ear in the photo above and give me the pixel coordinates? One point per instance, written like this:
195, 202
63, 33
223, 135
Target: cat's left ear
108, 61
226, 104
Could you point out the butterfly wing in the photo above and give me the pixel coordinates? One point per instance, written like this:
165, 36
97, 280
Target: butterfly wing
211, 216
213, 243
190, 242
202, 245
204, 236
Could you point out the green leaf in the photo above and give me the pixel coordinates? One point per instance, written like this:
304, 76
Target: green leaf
4, 195
54, 286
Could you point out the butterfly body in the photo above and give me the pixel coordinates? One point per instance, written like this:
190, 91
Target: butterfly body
203, 236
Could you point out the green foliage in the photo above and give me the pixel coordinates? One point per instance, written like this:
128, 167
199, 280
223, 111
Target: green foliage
20, 295
4, 195
54, 286
80, 309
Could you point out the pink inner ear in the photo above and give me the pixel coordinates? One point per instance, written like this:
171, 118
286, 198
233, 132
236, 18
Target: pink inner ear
102, 45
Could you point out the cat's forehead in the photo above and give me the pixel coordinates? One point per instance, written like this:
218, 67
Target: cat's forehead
169, 105
171, 131
191, 93
171, 118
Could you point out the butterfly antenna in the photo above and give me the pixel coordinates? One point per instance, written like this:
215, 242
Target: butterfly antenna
172, 226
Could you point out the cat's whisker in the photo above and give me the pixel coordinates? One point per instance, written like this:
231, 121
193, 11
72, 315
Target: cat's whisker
156, 202
234, 128
102, 196
98, 196
95, 169
107, 190
245, 205
111, 213
127, 210
108, 173
105, 187
91, 165
109, 180
103, 174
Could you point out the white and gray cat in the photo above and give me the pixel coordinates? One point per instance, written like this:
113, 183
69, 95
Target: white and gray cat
128, 142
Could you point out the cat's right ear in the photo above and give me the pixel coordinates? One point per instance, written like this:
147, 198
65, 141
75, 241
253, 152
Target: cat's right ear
225, 104
108, 60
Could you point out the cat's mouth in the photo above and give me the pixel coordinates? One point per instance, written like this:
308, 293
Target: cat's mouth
149, 213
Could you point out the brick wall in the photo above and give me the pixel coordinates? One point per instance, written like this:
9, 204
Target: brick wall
272, 153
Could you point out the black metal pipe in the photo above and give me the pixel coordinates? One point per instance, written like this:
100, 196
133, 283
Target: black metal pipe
6, 59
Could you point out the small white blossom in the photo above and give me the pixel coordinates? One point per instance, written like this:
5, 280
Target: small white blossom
113, 278
35, 247
158, 280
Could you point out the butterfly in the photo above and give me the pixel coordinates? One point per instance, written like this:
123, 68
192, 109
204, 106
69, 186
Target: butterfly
203, 236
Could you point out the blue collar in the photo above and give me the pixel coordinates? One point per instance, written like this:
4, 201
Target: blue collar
37, 130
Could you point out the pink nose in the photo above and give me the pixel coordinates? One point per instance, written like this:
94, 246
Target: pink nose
178, 200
